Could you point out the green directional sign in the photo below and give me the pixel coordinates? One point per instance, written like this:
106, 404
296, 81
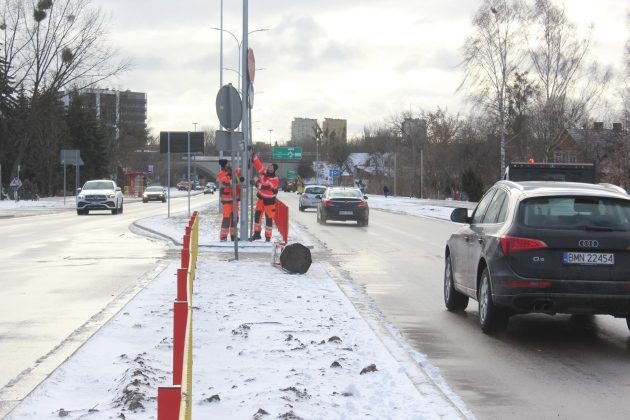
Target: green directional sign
287, 152
292, 174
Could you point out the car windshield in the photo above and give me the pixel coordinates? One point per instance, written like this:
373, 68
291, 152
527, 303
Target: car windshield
98, 185
598, 213
155, 189
345, 193
314, 190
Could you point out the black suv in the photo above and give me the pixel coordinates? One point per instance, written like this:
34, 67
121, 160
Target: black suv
548, 247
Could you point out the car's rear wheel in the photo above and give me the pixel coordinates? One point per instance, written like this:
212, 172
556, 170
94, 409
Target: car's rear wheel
491, 317
320, 218
301, 207
453, 300
121, 208
628, 322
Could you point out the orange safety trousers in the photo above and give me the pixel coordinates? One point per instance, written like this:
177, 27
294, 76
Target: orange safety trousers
269, 210
227, 223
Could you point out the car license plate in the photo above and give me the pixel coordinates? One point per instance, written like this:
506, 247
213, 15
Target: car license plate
346, 212
590, 258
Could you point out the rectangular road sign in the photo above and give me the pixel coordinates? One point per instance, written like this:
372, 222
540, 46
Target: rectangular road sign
287, 152
334, 172
292, 174
179, 141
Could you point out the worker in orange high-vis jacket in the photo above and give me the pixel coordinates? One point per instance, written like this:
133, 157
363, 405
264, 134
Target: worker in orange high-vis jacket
259, 212
268, 184
226, 196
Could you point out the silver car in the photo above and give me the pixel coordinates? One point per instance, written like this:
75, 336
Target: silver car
311, 196
99, 194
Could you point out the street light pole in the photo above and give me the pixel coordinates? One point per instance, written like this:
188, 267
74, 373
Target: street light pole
195, 124
270, 130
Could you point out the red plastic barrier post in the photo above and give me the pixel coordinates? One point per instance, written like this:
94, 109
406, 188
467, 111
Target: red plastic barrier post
182, 282
169, 400
189, 229
186, 244
282, 220
185, 257
180, 318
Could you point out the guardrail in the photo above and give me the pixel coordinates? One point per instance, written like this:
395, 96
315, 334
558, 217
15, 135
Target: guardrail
175, 402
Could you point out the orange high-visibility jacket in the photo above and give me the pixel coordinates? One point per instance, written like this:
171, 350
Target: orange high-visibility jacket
225, 184
267, 185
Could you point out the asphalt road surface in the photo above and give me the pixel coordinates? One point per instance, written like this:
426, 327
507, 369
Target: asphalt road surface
542, 367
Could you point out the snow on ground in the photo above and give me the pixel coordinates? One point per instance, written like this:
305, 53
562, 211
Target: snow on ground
267, 344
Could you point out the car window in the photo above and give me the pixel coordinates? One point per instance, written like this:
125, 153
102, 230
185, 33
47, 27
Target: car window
314, 190
345, 193
98, 185
480, 211
575, 212
496, 212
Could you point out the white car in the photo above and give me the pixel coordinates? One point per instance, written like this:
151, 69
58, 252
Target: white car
311, 196
99, 194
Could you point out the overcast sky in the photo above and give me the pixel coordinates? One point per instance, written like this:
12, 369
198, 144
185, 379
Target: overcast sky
362, 61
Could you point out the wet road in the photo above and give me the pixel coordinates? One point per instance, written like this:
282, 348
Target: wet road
62, 276
542, 367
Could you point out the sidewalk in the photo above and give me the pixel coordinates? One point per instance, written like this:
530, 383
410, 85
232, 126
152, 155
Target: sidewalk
268, 344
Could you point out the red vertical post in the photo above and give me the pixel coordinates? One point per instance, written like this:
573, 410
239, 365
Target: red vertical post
182, 283
186, 244
180, 315
169, 400
185, 257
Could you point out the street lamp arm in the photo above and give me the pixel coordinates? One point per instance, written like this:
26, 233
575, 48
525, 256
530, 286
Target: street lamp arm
233, 36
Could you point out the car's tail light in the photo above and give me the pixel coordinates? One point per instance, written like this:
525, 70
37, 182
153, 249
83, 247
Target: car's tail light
328, 202
524, 283
513, 244
362, 203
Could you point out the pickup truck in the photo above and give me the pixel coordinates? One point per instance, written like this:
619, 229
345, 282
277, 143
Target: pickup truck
99, 194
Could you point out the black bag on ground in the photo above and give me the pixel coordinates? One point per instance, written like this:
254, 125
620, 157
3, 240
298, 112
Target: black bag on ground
296, 258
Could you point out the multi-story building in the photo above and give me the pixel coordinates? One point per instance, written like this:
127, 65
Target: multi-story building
116, 108
303, 130
335, 130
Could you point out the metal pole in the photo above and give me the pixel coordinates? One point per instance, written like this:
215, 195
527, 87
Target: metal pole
421, 172
221, 54
168, 172
245, 124
250, 187
189, 181
64, 182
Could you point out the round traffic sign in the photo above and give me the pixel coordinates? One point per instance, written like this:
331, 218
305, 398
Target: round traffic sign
229, 107
251, 65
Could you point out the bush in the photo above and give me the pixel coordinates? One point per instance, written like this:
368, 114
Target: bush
472, 185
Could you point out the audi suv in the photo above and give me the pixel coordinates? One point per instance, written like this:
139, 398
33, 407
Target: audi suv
546, 247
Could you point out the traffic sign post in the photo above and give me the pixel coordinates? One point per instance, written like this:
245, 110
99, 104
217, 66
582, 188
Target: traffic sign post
287, 152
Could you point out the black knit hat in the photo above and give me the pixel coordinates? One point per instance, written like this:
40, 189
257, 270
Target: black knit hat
275, 167
223, 162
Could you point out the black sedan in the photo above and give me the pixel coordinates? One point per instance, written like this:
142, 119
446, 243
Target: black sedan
546, 247
154, 193
343, 203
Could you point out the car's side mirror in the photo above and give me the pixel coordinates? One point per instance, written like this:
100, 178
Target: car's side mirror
78, 190
365, 197
118, 189
460, 215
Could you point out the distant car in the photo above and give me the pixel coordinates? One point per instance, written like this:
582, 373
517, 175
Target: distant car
210, 188
343, 203
311, 196
184, 185
289, 186
99, 194
540, 246
154, 193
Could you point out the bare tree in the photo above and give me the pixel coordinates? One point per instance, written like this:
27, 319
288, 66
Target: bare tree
569, 86
492, 54
54, 45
